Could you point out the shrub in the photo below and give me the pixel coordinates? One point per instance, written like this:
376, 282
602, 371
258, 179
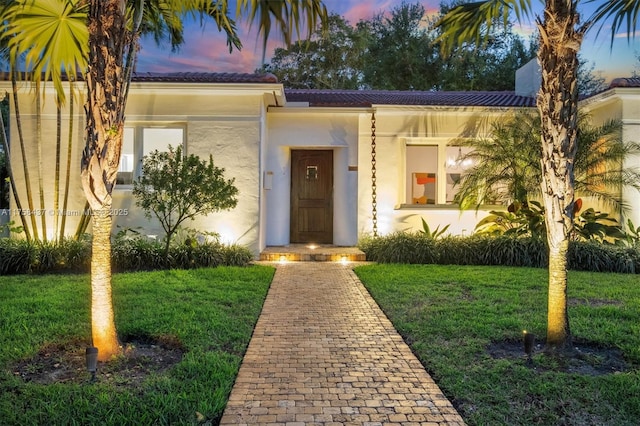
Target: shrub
129, 253
403, 247
21, 256
597, 257
16, 256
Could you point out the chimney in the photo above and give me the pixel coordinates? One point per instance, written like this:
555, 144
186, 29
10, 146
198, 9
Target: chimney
528, 79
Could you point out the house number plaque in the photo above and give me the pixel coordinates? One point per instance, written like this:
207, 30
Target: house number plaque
312, 172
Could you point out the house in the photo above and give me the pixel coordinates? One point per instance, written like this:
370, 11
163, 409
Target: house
321, 166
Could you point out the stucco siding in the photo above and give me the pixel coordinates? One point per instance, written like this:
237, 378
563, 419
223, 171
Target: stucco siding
396, 127
299, 129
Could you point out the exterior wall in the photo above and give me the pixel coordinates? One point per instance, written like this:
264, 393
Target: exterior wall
395, 127
620, 104
631, 132
253, 143
227, 126
311, 128
40, 163
222, 120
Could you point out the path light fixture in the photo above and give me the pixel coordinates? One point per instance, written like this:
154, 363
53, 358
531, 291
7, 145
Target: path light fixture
91, 356
529, 340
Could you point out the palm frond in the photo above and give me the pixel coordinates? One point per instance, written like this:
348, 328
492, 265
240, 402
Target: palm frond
50, 35
622, 13
472, 22
292, 18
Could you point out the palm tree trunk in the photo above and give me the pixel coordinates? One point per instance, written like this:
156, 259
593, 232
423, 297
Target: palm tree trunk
560, 42
103, 330
12, 181
43, 216
56, 179
65, 202
558, 332
101, 155
25, 167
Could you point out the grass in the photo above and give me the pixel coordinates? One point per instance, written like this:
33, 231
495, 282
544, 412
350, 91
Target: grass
211, 312
451, 315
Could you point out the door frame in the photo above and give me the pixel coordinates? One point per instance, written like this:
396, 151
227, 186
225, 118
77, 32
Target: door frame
328, 238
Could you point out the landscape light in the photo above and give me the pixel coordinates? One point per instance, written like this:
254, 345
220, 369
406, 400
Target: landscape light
91, 356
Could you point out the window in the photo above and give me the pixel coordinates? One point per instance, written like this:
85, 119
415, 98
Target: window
140, 141
433, 172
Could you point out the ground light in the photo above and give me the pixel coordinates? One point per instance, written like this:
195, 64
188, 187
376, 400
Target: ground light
529, 340
92, 361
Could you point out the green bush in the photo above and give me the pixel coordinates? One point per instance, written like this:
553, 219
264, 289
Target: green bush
404, 247
21, 256
400, 247
16, 256
128, 253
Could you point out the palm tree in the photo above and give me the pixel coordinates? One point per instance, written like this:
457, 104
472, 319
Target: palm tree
560, 35
506, 165
113, 28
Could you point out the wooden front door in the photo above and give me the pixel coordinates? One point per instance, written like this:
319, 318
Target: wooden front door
311, 197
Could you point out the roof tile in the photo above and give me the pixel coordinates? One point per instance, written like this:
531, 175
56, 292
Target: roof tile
625, 82
366, 98
205, 77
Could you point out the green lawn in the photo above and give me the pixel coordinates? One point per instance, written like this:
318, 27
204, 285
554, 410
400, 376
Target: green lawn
450, 315
209, 312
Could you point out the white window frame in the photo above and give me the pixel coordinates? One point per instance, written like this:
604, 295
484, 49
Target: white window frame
138, 145
441, 143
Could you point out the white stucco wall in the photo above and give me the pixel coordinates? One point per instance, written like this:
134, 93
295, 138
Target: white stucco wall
312, 128
619, 104
253, 142
395, 127
228, 126
224, 120
41, 163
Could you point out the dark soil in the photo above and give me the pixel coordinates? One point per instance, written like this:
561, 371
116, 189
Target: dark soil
65, 363
585, 358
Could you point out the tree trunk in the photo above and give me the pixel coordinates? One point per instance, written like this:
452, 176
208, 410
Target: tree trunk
70, 139
101, 156
25, 166
103, 330
557, 101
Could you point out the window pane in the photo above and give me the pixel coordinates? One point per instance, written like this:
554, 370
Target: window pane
422, 169
125, 171
158, 139
455, 168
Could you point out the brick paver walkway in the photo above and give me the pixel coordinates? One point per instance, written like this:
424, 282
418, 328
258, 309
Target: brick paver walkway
323, 353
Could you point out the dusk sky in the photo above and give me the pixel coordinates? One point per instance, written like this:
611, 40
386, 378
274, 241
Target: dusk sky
205, 49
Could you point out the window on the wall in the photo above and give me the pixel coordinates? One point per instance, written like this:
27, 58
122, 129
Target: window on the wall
140, 141
433, 173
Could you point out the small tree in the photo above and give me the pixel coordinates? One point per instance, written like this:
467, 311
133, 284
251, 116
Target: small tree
175, 188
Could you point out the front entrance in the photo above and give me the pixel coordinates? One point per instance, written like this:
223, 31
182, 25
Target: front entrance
311, 196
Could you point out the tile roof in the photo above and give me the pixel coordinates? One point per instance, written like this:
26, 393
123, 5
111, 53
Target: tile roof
366, 98
625, 82
204, 77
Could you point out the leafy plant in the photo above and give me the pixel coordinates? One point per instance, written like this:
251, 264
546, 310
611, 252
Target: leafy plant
520, 219
527, 219
503, 250
506, 166
437, 233
632, 235
174, 188
11, 228
594, 225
